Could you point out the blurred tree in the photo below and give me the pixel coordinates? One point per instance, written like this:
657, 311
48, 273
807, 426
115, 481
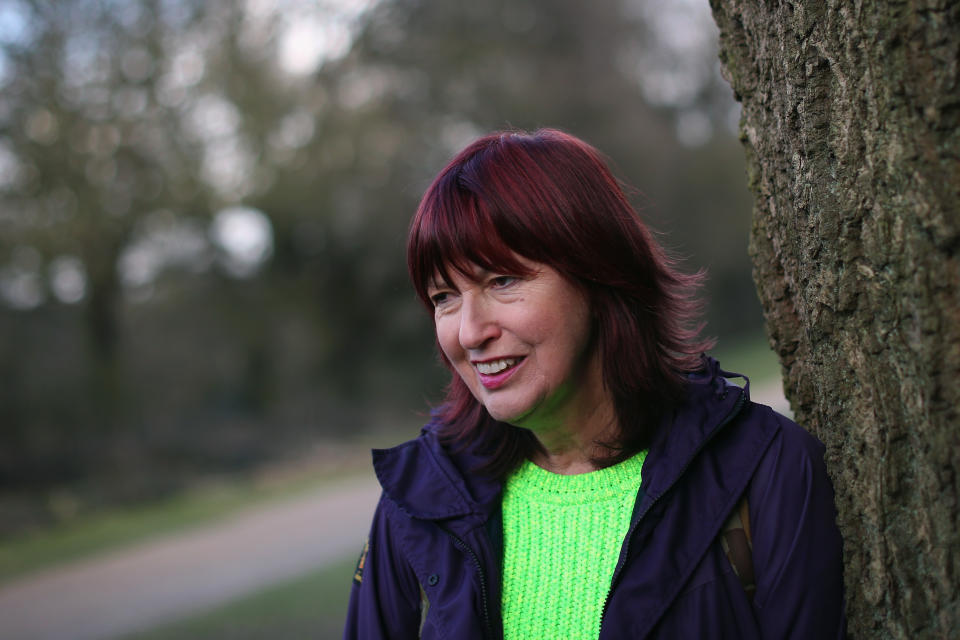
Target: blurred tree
117, 142
94, 142
221, 192
852, 132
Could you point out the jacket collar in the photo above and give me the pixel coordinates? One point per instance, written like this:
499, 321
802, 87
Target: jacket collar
682, 527
429, 481
710, 402
432, 482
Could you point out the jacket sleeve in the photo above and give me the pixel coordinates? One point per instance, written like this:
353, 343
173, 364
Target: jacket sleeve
797, 549
385, 594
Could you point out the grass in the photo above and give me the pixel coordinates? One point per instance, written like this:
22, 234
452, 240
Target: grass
313, 606
89, 534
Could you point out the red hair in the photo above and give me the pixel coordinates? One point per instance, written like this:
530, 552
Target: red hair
550, 197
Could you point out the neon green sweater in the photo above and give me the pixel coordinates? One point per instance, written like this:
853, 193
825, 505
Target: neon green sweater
561, 540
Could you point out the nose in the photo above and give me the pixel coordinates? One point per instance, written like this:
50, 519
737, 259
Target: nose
478, 325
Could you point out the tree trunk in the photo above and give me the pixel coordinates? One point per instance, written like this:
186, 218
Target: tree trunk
851, 125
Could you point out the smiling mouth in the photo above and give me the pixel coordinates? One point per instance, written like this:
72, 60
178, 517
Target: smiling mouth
493, 367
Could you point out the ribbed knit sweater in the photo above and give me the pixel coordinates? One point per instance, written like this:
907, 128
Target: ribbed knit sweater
561, 540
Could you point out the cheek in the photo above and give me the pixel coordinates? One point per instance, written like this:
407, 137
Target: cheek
448, 338
572, 339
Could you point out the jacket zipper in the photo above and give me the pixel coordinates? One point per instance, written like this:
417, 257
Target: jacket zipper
626, 543
488, 626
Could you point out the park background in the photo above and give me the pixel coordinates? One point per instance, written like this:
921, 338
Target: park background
204, 305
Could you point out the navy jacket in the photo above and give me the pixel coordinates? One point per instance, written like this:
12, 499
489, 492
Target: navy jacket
436, 534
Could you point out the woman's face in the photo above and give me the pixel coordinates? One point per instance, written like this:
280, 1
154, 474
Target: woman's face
522, 344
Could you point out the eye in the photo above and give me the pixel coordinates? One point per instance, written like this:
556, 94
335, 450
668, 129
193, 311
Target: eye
500, 282
441, 298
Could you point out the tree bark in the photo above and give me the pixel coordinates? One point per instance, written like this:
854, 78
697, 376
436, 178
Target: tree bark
851, 125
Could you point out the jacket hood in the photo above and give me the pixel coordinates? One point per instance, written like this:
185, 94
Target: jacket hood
430, 481
710, 401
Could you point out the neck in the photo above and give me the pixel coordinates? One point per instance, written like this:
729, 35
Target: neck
572, 447
569, 435
569, 453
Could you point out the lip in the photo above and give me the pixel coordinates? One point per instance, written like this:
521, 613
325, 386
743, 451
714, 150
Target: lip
497, 380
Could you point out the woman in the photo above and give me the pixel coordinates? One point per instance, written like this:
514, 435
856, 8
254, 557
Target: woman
576, 481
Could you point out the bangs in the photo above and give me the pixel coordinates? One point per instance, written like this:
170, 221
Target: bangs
452, 229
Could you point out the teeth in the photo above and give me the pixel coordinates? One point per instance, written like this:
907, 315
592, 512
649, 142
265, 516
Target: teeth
495, 366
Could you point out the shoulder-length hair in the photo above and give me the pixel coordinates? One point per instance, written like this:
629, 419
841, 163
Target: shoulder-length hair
550, 197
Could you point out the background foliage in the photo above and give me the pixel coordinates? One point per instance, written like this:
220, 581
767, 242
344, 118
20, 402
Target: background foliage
203, 208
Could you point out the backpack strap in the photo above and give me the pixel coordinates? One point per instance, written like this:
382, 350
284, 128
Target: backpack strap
738, 545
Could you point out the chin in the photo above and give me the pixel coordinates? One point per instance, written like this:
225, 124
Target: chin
502, 414
515, 418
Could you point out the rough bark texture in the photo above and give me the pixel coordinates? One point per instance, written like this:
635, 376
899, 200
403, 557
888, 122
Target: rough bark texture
851, 125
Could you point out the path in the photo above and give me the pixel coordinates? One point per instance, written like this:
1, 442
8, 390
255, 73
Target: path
156, 581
